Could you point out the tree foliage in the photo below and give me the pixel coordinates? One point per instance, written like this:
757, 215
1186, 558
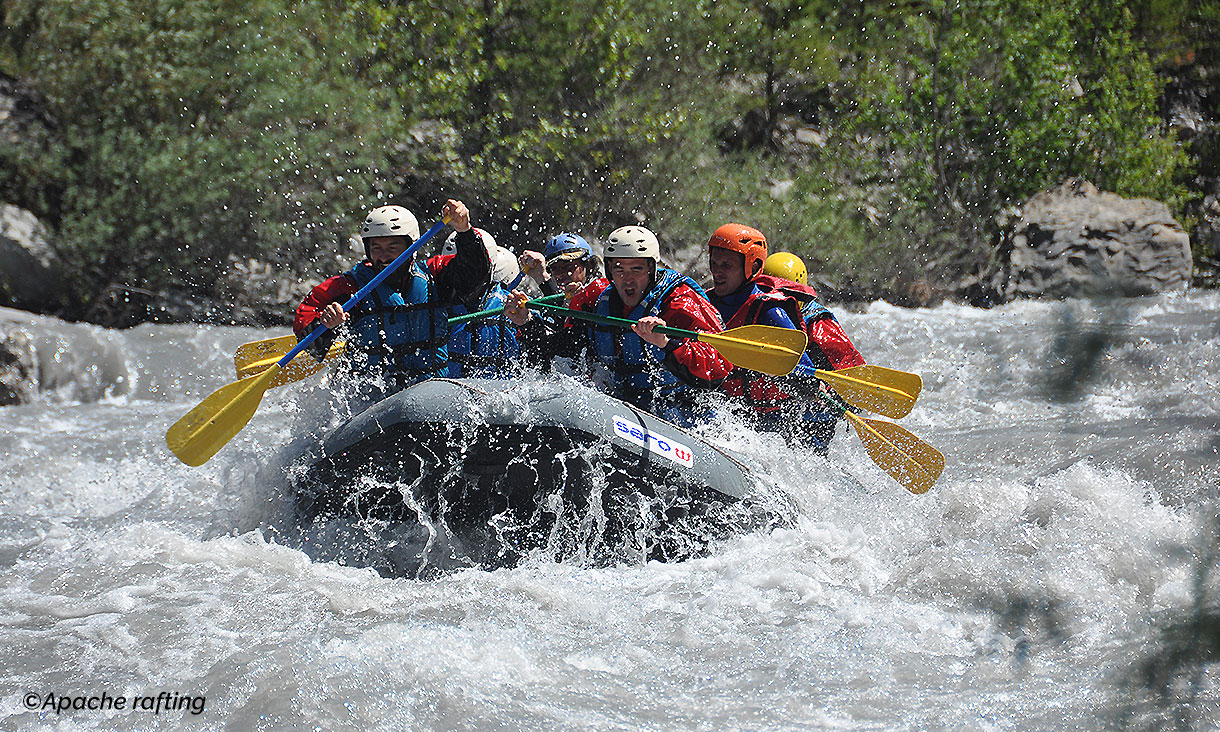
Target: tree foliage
189, 134
984, 103
194, 132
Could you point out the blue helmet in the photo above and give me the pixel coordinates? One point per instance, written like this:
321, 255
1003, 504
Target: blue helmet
567, 246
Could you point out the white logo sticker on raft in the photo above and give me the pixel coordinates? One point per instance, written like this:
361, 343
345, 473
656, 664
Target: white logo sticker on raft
661, 445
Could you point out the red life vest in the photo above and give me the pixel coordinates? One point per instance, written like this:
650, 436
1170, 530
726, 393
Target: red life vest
829, 347
759, 390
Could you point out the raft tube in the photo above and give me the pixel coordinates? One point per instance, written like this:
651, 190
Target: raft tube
506, 468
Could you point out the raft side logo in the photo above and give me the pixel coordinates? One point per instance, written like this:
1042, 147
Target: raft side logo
659, 444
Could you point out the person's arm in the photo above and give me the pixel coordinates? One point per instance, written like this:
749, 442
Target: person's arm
549, 287
462, 277
695, 363
310, 313
533, 264
833, 344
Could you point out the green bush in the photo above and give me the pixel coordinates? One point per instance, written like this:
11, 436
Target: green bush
191, 134
981, 105
194, 132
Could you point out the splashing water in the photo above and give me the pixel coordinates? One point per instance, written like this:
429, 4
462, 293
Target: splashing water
1025, 591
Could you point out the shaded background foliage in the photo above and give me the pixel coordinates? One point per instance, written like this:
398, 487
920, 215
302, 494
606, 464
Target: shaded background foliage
882, 141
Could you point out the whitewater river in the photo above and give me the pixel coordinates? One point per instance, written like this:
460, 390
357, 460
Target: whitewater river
1033, 588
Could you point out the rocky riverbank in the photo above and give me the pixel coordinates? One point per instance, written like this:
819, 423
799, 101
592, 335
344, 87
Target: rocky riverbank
1071, 240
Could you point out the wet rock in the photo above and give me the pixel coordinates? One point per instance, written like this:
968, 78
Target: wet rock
29, 271
1075, 240
810, 136
779, 189
23, 117
1206, 240
18, 367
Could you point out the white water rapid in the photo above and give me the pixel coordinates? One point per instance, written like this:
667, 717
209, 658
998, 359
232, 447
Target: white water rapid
1031, 589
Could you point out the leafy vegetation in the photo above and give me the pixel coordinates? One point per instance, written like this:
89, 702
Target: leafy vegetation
879, 140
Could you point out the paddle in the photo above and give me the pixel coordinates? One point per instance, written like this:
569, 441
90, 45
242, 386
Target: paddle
909, 460
198, 435
258, 356
455, 320
875, 388
768, 349
761, 348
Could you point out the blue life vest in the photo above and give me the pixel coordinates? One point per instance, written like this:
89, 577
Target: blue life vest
483, 348
636, 371
400, 330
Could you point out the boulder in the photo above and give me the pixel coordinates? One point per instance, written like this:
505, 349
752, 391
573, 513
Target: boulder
30, 278
23, 116
1206, 236
18, 368
1075, 240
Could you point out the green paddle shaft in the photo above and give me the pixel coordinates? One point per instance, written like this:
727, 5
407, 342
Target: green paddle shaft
492, 312
610, 320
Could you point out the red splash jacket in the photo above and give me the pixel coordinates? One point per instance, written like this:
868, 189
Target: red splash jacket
829, 347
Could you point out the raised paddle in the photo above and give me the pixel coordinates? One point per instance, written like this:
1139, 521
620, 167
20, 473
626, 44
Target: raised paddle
915, 464
258, 356
761, 348
209, 426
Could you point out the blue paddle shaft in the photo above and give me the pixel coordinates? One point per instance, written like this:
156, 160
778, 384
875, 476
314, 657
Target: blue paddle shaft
364, 291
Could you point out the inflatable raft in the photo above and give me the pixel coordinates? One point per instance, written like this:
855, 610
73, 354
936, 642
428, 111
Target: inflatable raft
495, 470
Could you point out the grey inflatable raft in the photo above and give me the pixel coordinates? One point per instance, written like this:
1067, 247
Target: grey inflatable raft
508, 468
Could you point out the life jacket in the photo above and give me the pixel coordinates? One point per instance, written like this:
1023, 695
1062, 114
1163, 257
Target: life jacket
811, 309
483, 348
840, 355
760, 391
399, 330
635, 369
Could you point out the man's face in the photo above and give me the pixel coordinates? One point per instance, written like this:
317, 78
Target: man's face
728, 270
569, 271
632, 278
385, 249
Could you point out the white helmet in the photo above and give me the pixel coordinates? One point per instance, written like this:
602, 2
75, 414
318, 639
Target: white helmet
390, 221
450, 245
632, 241
504, 266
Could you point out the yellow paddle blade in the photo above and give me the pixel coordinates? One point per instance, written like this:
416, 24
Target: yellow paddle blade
909, 460
875, 388
249, 354
205, 429
257, 357
762, 348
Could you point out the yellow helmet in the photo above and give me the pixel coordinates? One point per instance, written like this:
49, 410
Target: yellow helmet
786, 265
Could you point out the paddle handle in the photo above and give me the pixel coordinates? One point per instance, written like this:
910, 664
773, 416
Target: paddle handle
609, 320
364, 291
496, 311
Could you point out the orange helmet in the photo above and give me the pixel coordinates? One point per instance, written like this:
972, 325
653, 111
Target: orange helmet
745, 240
